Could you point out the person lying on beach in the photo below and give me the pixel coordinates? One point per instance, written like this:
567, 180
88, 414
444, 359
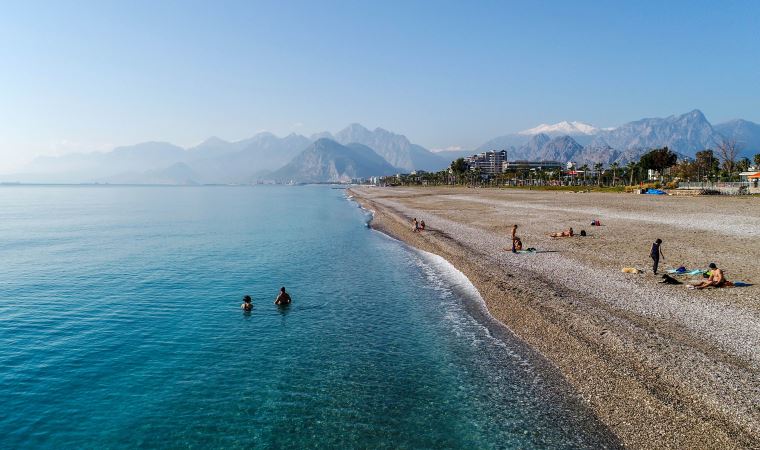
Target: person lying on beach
247, 305
566, 233
717, 279
283, 298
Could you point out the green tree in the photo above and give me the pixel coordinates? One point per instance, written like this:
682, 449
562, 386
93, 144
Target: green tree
458, 167
756, 160
707, 163
742, 165
658, 159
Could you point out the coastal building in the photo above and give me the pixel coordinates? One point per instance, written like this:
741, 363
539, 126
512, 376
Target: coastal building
489, 163
537, 165
752, 180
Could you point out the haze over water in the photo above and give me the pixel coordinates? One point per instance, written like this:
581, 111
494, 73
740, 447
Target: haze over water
120, 327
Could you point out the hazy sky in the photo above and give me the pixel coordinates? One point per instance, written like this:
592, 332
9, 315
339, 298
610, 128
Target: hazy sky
80, 76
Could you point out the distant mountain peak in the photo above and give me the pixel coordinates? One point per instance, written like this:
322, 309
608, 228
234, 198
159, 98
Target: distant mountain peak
355, 127
213, 140
564, 127
394, 148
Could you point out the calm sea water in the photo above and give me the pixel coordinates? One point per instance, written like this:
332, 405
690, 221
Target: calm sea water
120, 327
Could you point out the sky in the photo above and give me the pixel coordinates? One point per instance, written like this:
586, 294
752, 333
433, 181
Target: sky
88, 76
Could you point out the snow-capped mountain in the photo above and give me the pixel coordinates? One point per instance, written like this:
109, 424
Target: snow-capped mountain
563, 128
685, 134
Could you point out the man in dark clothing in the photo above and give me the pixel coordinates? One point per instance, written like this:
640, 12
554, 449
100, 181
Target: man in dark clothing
655, 254
283, 299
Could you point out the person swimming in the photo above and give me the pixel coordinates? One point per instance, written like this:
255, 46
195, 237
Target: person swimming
247, 305
283, 298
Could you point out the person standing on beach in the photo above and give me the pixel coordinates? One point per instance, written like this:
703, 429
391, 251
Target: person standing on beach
655, 254
416, 225
515, 239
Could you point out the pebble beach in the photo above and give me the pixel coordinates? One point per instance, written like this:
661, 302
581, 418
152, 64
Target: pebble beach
661, 365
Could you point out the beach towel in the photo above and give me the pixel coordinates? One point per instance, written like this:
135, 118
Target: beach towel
741, 284
630, 270
685, 272
530, 250
655, 192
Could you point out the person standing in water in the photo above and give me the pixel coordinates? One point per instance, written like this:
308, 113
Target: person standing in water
247, 305
283, 299
655, 254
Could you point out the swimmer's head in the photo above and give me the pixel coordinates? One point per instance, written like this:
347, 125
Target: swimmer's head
247, 299
282, 289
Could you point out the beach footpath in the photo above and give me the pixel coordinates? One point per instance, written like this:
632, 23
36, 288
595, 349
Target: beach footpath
663, 366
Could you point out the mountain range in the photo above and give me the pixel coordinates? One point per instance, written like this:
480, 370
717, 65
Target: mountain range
685, 134
357, 152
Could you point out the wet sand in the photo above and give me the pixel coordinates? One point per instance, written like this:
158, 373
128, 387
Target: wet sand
662, 366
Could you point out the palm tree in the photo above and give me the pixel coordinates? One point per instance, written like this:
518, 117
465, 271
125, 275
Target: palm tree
598, 169
630, 167
614, 166
584, 168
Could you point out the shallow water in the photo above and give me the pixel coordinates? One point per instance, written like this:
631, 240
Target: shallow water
120, 327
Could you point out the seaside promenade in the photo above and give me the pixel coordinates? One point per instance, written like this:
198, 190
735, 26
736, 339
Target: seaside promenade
663, 366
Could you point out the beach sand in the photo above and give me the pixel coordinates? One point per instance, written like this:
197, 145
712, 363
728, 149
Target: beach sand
661, 365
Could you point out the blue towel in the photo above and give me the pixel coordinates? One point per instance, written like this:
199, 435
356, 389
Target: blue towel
741, 284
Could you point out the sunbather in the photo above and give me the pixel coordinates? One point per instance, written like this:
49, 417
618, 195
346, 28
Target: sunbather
716, 279
565, 233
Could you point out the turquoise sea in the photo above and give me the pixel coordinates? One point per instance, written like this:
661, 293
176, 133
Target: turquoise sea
121, 327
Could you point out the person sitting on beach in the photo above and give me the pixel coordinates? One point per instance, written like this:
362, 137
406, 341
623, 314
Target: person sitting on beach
247, 305
422, 225
517, 245
415, 225
717, 279
283, 298
565, 233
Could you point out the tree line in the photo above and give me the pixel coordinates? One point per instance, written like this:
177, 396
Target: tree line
721, 164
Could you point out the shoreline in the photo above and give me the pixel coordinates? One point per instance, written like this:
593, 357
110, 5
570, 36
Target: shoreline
554, 383
643, 405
